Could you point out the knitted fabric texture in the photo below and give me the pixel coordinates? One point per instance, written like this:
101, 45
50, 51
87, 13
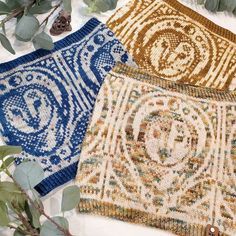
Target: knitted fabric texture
173, 42
161, 154
46, 99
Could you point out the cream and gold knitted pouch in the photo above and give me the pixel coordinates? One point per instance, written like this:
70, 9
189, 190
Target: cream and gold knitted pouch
161, 154
173, 42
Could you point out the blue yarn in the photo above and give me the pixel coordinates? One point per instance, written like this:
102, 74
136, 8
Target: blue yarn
46, 99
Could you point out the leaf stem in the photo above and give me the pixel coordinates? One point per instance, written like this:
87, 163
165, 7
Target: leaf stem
65, 231
15, 13
38, 207
12, 226
17, 228
28, 226
22, 10
51, 13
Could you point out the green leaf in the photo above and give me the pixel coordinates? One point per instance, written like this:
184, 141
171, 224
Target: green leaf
7, 186
7, 162
41, 8
6, 43
26, 28
4, 218
35, 196
70, 198
3, 28
33, 215
234, 12
12, 4
17, 203
67, 5
222, 6
112, 4
101, 5
24, 3
11, 194
48, 228
227, 5
4, 9
212, 5
200, 2
39, 202
17, 232
43, 40
9, 150
28, 174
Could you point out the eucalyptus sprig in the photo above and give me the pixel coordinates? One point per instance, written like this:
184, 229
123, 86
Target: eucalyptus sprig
219, 5
101, 5
28, 28
20, 205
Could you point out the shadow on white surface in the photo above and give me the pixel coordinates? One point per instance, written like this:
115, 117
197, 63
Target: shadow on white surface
101, 226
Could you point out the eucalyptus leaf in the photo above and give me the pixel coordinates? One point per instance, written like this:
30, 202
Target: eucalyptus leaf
234, 12
41, 7
26, 28
39, 202
17, 232
4, 9
101, 5
10, 187
200, 2
24, 3
28, 174
9, 150
67, 5
33, 215
17, 202
43, 40
12, 195
70, 198
7, 162
212, 5
48, 228
227, 5
4, 218
222, 5
13, 4
35, 196
3, 28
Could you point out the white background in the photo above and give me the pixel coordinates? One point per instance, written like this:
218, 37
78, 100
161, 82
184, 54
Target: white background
82, 225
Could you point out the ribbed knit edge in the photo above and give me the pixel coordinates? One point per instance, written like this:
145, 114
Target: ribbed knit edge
202, 20
68, 40
191, 90
57, 179
175, 226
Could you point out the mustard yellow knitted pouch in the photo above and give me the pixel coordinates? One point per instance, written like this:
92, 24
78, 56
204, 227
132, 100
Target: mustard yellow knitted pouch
173, 42
161, 154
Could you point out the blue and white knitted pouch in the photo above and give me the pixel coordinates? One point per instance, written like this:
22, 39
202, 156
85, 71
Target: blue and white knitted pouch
46, 99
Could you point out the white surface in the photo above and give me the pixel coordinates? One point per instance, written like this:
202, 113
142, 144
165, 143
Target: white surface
82, 225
